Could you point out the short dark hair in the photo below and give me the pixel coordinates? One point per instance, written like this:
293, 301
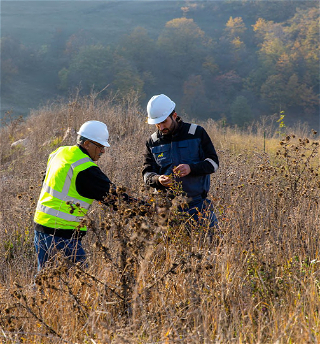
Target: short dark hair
172, 113
81, 140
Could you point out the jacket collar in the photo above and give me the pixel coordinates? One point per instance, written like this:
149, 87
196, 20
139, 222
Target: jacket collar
83, 150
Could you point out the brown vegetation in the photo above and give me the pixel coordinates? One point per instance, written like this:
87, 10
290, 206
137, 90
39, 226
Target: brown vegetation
150, 278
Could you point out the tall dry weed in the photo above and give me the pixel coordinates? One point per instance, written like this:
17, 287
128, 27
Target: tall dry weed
152, 275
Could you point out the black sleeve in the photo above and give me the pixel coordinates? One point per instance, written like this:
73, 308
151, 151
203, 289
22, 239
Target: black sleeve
151, 170
93, 183
210, 162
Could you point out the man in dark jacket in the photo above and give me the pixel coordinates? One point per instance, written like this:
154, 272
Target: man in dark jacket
182, 150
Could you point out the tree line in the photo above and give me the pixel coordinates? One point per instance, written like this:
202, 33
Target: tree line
250, 67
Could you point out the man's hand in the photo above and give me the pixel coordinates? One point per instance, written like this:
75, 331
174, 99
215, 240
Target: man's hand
182, 170
165, 180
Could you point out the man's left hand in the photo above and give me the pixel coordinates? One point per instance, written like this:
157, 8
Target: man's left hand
182, 170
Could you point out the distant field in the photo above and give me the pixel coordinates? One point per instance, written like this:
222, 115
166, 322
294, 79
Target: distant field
34, 22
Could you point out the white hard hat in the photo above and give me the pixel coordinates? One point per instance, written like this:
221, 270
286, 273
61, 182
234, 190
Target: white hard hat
159, 108
95, 131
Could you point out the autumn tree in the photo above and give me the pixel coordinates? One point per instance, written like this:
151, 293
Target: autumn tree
274, 90
303, 30
126, 77
8, 71
14, 57
12, 49
139, 48
96, 66
182, 46
91, 67
240, 111
194, 100
76, 41
278, 11
289, 55
235, 28
57, 44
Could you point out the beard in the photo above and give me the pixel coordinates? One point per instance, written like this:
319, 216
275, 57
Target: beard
169, 131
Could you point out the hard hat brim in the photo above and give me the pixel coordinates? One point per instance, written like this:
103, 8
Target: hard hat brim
157, 120
105, 144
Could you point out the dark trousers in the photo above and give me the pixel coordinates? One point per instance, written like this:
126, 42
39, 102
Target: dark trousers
48, 245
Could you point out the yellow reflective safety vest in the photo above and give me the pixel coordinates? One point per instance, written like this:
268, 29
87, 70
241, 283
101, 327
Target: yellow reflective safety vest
59, 187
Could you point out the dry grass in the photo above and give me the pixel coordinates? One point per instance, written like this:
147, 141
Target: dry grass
148, 281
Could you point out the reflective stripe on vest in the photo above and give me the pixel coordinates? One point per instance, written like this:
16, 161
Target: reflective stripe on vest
63, 196
57, 213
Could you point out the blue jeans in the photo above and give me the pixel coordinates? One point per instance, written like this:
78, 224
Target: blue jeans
48, 245
203, 213
205, 208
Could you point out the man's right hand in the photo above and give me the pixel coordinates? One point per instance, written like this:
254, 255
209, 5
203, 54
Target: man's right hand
165, 180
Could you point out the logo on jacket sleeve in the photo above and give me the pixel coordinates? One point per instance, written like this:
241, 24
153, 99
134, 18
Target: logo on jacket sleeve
160, 155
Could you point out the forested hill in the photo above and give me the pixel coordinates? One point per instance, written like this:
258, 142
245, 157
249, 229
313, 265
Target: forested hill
227, 60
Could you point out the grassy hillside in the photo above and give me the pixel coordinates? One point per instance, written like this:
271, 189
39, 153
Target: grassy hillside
150, 277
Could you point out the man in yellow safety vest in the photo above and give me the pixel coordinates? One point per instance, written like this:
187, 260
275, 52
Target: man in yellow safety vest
72, 181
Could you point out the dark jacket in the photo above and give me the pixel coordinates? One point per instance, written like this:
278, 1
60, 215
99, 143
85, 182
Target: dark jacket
190, 144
